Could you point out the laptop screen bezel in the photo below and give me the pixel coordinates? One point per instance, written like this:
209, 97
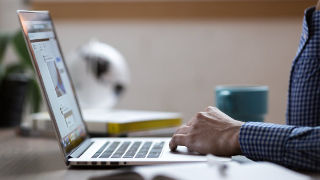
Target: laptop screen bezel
40, 16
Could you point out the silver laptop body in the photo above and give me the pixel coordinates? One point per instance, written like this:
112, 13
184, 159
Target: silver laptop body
77, 147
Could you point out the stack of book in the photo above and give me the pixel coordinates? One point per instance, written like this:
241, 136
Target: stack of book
119, 122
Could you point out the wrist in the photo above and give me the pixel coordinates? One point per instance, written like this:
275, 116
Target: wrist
236, 142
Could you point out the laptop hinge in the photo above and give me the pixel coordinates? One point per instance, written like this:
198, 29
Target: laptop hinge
81, 149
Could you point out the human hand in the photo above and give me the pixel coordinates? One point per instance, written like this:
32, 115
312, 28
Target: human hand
209, 132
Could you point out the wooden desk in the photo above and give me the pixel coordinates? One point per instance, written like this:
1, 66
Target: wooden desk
40, 158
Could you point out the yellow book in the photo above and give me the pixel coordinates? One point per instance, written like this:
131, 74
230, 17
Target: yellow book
118, 128
117, 122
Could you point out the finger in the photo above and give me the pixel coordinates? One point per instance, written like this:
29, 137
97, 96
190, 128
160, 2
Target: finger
183, 130
202, 115
212, 110
209, 108
178, 140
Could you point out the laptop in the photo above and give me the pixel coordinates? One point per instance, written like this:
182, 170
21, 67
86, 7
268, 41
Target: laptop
77, 148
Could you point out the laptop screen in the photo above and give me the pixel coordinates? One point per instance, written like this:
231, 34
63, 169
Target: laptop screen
54, 78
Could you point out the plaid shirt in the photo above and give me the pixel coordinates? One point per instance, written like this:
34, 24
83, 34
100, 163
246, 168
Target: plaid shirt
296, 145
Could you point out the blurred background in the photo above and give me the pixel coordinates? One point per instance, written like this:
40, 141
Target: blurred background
179, 50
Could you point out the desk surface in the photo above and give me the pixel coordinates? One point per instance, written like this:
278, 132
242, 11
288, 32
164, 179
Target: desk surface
36, 158
39, 158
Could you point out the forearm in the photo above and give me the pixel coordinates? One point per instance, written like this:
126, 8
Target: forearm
294, 147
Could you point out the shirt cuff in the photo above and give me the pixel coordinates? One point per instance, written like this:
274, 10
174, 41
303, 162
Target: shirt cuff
264, 141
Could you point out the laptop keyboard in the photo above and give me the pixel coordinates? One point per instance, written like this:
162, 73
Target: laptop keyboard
138, 149
132, 151
107, 153
122, 149
144, 150
100, 150
156, 150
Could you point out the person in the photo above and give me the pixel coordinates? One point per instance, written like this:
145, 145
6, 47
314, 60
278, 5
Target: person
295, 145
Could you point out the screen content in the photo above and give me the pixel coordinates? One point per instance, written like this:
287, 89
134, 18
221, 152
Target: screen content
56, 81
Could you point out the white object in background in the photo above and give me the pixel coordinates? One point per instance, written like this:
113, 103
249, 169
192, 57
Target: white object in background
221, 163
207, 171
100, 74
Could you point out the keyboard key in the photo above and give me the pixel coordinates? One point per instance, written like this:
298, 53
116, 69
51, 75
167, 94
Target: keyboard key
132, 150
154, 155
121, 150
100, 150
108, 152
156, 150
144, 150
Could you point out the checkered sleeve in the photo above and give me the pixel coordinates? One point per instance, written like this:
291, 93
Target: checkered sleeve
291, 146
296, 145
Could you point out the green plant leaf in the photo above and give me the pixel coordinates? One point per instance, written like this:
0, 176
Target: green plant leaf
15, 68
35, 95
25, 64
21, 48
4, 40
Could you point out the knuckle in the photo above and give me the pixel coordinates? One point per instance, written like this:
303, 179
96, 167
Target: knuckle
183, 127
214, 108
210, 108
200, 115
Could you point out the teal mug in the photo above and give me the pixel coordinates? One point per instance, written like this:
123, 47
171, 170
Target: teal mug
244, 103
